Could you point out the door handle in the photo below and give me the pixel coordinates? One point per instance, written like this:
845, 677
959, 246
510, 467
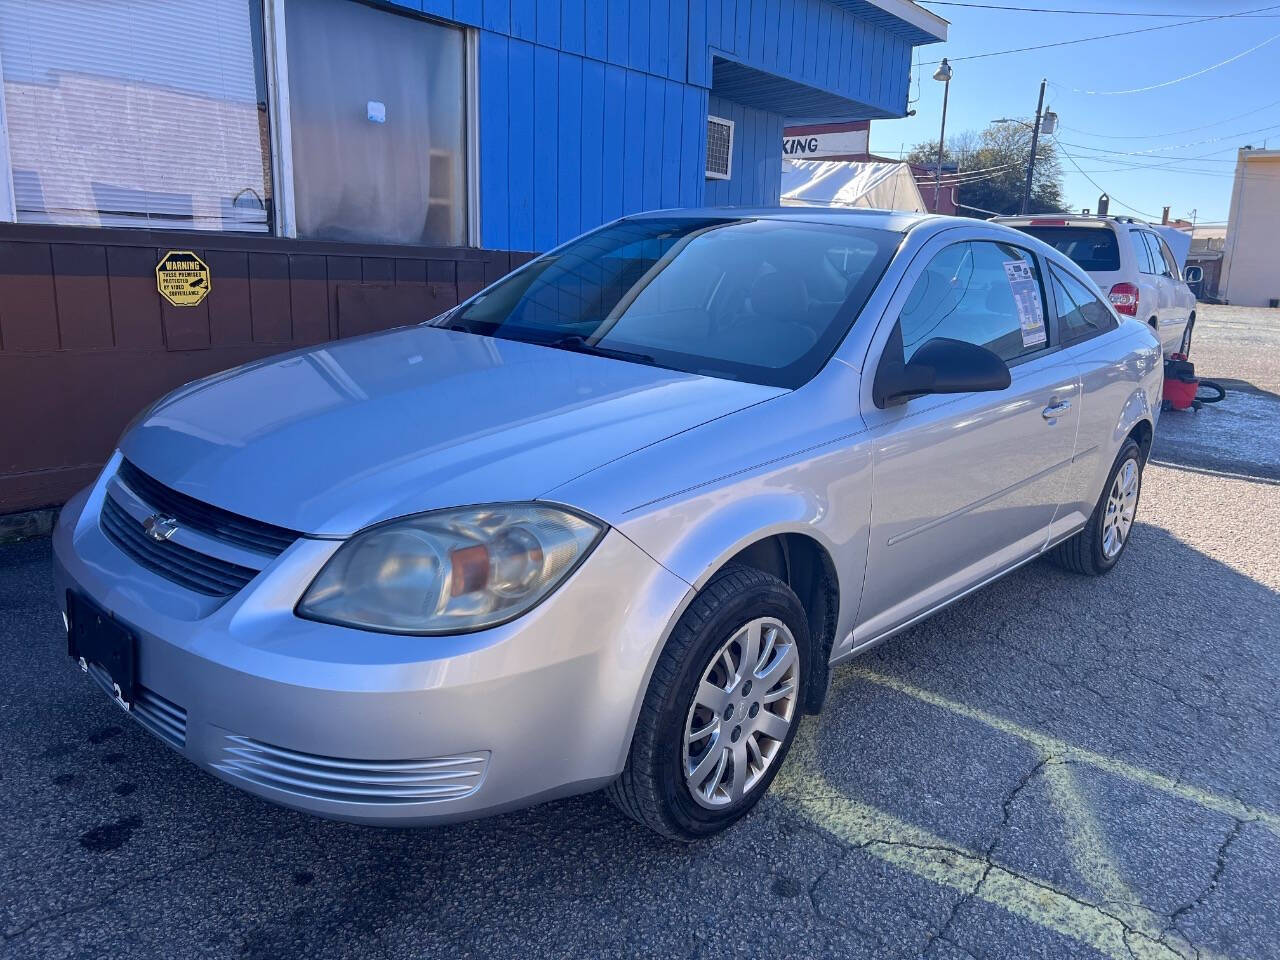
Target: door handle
1055, 410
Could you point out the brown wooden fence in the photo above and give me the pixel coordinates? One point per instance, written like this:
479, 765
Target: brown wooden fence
86, 341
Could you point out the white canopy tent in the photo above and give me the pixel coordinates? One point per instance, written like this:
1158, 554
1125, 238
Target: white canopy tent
843, 183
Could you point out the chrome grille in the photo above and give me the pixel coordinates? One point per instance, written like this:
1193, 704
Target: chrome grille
195, 571
352, 781
162, 717
192, 514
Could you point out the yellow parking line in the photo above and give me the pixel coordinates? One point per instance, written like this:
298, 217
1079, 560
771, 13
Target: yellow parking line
1122, 935
1063, 751
1089, 850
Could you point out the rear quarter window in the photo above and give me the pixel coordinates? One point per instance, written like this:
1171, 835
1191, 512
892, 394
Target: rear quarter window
1092, 248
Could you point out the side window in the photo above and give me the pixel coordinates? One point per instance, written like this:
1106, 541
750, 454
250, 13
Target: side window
1170, 264
1082, 314
1157, 255
989, 294
1142, 252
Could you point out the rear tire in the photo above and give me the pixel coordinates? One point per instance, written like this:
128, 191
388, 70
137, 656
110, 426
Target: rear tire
692, 770
1097, 548
1185, 348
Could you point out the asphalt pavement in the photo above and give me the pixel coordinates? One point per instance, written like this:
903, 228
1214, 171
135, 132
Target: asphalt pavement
1055, 767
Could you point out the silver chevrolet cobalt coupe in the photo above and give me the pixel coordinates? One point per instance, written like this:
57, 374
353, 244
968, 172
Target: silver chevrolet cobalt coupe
610, 522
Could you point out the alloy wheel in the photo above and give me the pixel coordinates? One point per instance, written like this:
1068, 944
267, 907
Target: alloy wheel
1122, 504
741, 712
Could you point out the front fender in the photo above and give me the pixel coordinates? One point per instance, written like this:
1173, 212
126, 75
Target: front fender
826, 498
694, 552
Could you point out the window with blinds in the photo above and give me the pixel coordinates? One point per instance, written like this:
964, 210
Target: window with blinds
137, 113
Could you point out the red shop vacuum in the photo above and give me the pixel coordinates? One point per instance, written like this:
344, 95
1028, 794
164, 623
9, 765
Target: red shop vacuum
1183, 390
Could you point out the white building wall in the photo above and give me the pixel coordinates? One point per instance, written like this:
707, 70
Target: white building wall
1251, 262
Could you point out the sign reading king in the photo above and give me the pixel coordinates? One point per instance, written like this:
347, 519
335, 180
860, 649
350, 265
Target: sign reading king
815, 146
183, 278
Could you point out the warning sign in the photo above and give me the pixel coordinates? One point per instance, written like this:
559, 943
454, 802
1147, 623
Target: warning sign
182, 278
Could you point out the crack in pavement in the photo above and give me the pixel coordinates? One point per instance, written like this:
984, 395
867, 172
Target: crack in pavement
1005, 808
272, 833
975, 874
106, 898
1219, 868
1229, 805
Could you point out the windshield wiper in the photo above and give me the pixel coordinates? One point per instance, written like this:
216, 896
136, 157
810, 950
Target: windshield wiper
578, 344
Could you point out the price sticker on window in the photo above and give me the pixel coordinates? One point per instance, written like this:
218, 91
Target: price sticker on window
1026, 297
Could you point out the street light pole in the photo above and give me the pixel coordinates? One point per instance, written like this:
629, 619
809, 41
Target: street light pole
1035, 142
943, 74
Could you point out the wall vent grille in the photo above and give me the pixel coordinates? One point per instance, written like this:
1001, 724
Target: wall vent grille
719, 148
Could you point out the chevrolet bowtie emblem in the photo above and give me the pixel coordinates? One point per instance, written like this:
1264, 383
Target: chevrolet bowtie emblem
159, 527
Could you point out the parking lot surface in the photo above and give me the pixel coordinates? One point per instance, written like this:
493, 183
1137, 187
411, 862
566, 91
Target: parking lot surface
1054, 767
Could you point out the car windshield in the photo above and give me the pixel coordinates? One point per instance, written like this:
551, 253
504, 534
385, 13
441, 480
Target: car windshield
760, 300
1092, 248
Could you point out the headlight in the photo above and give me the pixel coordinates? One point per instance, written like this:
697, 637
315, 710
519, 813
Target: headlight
451, 571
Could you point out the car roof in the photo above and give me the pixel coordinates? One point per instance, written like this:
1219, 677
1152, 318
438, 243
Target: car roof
897, 221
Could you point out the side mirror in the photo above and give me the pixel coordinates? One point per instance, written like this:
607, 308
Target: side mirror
1193, 274
940, 366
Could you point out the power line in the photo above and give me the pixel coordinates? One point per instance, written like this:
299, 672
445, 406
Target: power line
1215, 174
1109, 36
1080, 170
1169, 133
1218, 139
1154, 151
964, 182
1089, 13
1140, 153
1167, 167
1189, 76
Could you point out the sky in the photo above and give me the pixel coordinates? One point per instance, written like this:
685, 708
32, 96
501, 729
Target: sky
1174, 145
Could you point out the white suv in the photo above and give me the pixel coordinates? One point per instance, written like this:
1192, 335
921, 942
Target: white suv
1131, 263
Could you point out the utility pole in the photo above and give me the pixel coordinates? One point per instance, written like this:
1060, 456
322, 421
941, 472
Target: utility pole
1035, 143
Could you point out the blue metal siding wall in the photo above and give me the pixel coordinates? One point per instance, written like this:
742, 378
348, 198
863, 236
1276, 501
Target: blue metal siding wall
591, 109
756, 173
812, 42
568, 142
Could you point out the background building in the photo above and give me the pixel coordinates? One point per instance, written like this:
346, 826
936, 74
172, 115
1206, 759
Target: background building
344, 166
1251, 254
1207, 244
850, 141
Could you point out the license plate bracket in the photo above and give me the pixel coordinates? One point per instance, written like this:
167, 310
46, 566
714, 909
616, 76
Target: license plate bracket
94, 636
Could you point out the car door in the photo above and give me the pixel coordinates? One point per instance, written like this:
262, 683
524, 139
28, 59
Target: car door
964, 486
1170, 316
1148, 288
1181, 303
1087, 330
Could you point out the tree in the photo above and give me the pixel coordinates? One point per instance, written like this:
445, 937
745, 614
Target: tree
988, 170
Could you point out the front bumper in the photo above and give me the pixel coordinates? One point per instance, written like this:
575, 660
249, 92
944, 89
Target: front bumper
374, 728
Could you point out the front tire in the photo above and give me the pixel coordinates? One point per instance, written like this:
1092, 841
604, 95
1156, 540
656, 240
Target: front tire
721, 710
1098, 547
1185, 347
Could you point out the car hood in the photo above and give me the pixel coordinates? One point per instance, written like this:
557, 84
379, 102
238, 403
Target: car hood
331, 439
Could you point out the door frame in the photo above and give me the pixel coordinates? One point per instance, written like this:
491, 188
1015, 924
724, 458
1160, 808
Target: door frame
872, 415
